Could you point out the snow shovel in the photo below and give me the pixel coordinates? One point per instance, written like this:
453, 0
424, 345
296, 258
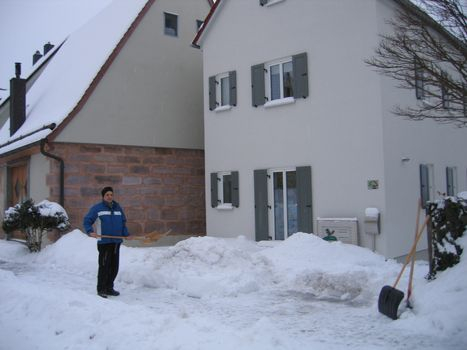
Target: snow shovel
412, 264
390, 297
149, 238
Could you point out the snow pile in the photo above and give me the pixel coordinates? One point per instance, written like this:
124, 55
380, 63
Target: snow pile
212, 293
328, 270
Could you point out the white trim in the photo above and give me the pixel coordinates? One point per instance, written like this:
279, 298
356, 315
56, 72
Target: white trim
225, 206
223, 108
279, 102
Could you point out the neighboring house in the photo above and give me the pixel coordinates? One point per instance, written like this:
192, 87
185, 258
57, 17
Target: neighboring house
299, 134
119, 104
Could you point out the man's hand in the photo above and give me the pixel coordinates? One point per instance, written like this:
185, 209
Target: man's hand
93, 234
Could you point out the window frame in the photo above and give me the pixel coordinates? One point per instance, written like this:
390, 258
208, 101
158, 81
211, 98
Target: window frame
167, 30
218, 195
223, 94
222, 203
268, 88
222, 99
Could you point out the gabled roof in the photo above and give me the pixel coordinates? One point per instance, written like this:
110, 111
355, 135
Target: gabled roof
67, 82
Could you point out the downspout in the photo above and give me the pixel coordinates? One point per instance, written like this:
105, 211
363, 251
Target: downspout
62, 170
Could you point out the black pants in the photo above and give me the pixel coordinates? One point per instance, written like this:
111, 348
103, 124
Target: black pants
109, 255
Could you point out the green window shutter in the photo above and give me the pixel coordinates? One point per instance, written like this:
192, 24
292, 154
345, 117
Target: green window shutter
233, 88
450, 181
261, 205
304, 200
300, 71
235, 189
263, 2
424, 185
257, 85
214, 196
212, 93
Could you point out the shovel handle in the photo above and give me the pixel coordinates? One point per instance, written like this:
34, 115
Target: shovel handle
412, 250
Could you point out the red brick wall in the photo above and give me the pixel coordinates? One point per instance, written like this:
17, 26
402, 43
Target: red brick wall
158, 188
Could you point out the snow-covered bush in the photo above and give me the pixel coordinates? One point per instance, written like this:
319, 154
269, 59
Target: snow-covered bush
35, 221
448, 224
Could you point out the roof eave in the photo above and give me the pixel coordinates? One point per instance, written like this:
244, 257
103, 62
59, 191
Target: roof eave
196, 43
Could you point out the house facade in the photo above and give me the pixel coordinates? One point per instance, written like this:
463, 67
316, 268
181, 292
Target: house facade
127, 113
299, 134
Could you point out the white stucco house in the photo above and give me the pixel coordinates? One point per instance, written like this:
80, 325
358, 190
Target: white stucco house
299, 134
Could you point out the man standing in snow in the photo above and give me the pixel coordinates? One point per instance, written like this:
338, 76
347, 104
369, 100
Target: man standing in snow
110, 221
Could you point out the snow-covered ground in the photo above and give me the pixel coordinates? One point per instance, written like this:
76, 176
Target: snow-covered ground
213, 293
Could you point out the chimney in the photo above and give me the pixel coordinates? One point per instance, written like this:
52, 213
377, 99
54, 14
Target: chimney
17, 100
36, 57
48, 47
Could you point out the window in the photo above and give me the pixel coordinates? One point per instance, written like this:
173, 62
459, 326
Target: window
280, 81
223, 91
426, 183
283, 202
419, 81
224, 190
451, 181
170, 24
445, 91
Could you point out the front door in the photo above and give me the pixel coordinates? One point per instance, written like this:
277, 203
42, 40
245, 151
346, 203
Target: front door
18, 184
282, 187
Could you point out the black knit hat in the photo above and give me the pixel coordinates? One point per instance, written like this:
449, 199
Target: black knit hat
106, 189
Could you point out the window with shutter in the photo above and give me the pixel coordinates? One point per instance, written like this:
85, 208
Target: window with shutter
280, 81
223, 91
225, 190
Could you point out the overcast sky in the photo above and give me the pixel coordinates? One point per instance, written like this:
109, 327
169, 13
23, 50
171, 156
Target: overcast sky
26, 25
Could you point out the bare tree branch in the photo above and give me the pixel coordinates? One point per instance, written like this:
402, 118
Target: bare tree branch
428, 55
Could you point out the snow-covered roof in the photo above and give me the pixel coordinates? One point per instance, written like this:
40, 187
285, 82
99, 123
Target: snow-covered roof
73, 70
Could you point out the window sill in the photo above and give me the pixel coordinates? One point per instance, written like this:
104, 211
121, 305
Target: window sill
281, 102
223, 108
273, 2
226, 206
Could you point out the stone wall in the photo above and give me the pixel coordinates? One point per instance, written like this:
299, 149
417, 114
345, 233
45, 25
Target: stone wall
158, 188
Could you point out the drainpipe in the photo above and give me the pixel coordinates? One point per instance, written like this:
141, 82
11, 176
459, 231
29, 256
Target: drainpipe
62, 170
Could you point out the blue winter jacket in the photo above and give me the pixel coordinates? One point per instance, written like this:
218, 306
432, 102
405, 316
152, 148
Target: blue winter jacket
110, 220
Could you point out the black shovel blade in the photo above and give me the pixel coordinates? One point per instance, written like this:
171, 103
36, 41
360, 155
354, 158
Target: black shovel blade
389, 300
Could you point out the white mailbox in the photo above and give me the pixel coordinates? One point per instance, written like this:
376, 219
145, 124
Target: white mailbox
344, 229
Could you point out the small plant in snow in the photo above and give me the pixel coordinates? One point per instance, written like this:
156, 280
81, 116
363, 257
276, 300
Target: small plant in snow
35, 221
